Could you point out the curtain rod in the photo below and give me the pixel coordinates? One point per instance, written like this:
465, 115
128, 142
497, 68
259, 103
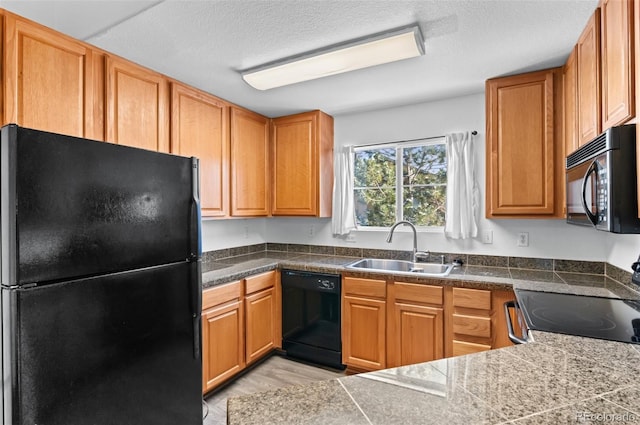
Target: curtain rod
405, 141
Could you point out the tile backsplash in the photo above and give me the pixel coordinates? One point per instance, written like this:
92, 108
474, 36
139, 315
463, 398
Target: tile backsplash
548, 264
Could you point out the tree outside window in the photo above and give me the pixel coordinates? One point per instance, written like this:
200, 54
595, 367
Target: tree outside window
401, 182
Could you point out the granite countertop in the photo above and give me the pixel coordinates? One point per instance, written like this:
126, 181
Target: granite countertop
554, 379
480, 277
557, 379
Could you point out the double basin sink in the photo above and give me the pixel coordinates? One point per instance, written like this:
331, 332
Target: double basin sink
401, 267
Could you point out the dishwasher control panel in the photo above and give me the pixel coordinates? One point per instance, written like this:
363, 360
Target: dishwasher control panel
311, 280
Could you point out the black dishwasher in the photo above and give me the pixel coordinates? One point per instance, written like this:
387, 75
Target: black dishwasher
311, 317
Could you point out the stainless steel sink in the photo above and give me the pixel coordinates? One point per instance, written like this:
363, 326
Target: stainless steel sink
401, 267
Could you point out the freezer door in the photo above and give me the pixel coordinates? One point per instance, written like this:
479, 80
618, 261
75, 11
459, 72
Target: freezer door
117, 349
74, 207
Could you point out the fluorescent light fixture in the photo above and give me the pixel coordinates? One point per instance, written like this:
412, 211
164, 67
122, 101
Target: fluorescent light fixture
390, 46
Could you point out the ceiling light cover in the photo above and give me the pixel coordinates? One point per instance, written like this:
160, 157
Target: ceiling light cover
377, 49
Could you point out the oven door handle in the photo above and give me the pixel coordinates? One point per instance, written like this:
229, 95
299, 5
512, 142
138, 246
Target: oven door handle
593, 168
512, 335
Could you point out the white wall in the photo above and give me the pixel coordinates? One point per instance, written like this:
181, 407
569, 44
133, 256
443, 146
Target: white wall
547, 238
220, 234
623, 250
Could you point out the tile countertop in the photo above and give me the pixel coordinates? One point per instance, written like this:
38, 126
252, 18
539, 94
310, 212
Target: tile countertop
555, 379
235, 268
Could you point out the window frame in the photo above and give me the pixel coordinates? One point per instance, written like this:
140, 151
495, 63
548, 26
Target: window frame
399, 186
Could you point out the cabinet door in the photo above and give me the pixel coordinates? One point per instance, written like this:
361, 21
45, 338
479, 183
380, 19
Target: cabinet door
295, 165
48, 80
363, 333
137, 106
222, 343
418, 333
260, 324
520, 145
200, 128
499, 334
617, 62
589, 122
249, 164
570, 76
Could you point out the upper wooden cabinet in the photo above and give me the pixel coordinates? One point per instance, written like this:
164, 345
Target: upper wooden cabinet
617, 62
249, 163
48, 79
588, 47
137, 106
302, 151
200, 128
525, 167
570, 79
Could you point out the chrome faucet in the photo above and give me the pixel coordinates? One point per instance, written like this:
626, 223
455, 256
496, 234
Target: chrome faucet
416, 253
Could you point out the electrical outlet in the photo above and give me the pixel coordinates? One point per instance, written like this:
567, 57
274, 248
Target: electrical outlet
523, 239
487, 236
351, 238
311, 231
246, 232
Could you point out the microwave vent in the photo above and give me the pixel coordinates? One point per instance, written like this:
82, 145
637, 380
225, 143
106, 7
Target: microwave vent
594, 147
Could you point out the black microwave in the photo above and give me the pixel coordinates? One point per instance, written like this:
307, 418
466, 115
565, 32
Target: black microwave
601, 182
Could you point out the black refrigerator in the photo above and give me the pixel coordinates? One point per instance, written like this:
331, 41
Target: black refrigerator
101, 284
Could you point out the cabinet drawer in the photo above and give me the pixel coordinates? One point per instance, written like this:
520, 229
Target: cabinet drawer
413, 292
260, 282
472, 298
221, 294
461, 348
472, 325
364, 287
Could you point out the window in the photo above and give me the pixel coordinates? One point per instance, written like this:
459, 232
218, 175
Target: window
406, 181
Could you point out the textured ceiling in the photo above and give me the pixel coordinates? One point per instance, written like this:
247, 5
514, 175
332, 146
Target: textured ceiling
206, 43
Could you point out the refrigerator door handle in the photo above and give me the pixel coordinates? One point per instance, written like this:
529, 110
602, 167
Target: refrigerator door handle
195, 238
194, 232
195, 290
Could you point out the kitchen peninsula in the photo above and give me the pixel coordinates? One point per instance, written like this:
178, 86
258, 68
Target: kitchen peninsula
555, 379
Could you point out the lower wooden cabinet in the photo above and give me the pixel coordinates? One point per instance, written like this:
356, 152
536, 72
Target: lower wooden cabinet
390, 324
500, 337
364, 324
415, 329
260, 309
222, 334
470, 321
476, 320
240, 323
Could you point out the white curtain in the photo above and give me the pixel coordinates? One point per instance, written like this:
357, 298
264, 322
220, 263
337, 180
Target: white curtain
343, 217
461, 220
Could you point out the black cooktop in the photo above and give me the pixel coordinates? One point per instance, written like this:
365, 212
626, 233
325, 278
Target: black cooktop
596, 317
